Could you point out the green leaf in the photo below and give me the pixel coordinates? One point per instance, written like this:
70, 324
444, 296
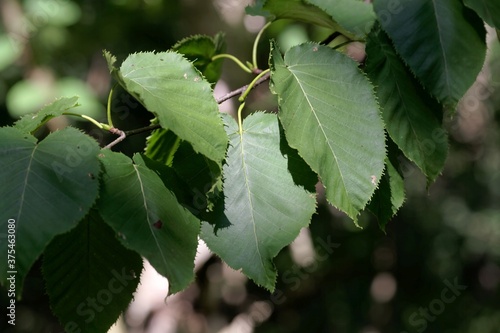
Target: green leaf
113, 70
200, 50
161, 146
46, 189
442, 42
293, 9
488, 10
264, 207
390, 195
171, 87
330, 115
31, 122
147, 216
202, 175
355, 16
408, 111
90, 277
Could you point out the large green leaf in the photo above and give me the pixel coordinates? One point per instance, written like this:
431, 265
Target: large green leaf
330, 115
31, 122
200, 50
355, 16
172, 88
442, 41
89, 276
489, 10
147, 216
408, 111
46, 189
263, 205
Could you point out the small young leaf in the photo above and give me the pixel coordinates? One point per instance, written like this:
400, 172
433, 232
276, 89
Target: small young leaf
89, 276
200, 50
31, 122
330, 115
408, 111
132, 200
265, 209
172, 88
443, 43
46, 189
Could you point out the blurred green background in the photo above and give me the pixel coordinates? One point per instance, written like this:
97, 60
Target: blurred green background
437, 268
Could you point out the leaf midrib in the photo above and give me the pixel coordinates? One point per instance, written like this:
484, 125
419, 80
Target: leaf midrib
244, 169
446, 70
145, 203
25, 185
324, 134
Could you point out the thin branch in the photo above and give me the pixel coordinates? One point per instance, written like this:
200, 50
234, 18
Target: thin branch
241, 90
220, 100
121, 137
142, 130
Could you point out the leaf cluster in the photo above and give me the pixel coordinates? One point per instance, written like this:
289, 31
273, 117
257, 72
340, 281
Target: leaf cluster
244, 186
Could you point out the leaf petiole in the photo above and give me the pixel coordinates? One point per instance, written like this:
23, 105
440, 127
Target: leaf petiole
256, 44
92, 120
240, 109
108, 108
233, 58
252, 84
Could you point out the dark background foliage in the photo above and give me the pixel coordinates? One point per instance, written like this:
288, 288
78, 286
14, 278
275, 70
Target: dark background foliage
366, 281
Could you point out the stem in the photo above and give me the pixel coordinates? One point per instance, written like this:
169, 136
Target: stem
239, 91
92, 120
256, 43
252, 84
240, 127
233, 58
142, 129
343, 44
121, 137
108, 109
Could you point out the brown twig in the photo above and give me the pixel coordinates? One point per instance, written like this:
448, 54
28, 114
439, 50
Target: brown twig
121, 137
241, 90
